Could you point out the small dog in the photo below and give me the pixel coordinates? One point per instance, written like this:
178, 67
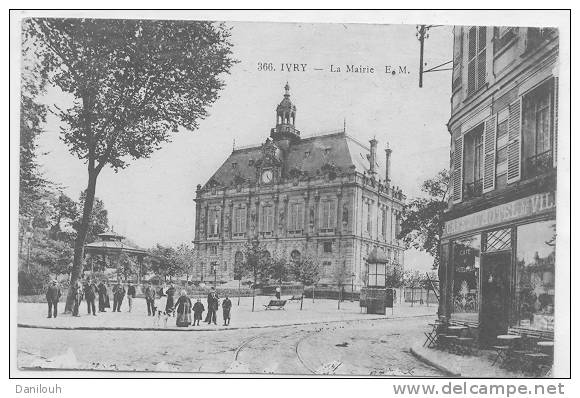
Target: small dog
161, 315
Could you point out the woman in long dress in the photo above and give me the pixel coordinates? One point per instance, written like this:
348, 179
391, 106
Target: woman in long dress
183, 309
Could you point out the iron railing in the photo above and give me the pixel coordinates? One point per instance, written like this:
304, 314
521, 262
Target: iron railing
539, 164
473, 189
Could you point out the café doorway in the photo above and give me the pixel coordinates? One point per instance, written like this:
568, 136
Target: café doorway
495, 293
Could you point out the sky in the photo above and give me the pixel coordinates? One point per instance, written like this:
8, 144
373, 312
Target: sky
151, 201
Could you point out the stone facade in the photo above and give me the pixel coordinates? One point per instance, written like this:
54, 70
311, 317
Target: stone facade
327, 196
500, 217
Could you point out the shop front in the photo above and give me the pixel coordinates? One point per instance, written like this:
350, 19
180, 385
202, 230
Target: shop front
500, 268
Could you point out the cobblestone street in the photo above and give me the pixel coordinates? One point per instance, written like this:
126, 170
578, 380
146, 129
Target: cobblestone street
366, 347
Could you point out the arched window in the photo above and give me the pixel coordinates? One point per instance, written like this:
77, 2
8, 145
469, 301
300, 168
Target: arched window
295, 256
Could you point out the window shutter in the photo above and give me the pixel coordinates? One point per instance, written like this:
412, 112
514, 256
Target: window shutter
481, 57
555, 151
458, 170
515, 142
489, 154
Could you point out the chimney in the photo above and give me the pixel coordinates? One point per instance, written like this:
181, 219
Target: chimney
388, 152
373, 157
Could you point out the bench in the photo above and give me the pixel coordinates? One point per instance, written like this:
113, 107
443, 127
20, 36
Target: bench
275, 304
295, 298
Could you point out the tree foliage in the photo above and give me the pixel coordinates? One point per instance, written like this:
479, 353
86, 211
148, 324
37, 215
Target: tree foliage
422, 223
98, 220
32, 119
305, 270
132, 83
279, 268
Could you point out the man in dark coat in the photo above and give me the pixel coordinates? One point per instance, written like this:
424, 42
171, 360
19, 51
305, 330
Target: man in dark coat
131, 293
227, 306
77, 297
52, 297
118, 296
212, 307
150, 299
90, 294
103, 297
170, 300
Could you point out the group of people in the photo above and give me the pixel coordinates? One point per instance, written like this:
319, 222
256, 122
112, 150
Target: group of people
161, 304
90, 291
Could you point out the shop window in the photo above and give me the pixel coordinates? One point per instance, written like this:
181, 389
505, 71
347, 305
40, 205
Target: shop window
498, 240
377, 274
535, 268
466, 262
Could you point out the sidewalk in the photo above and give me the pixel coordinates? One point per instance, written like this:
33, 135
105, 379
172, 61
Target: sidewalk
33, 315
469, 366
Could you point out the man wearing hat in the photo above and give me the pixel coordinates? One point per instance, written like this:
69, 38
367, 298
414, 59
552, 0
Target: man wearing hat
52, 297
212, 307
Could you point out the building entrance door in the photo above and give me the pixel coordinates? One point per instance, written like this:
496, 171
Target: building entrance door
495, 288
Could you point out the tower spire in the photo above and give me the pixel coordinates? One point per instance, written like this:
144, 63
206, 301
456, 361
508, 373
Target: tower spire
285, 119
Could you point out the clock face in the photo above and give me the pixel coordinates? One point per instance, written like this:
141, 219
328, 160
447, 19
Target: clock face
267, 176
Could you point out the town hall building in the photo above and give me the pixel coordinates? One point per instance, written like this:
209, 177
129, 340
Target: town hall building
327, 196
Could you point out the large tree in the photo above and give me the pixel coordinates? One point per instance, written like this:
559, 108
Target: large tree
256, 264
305, 270
132, 83
422, 224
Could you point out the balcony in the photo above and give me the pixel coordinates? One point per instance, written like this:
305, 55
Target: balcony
473, 189
539, 164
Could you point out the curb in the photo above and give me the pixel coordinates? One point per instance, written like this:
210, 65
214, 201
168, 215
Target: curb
205, 329
437, 366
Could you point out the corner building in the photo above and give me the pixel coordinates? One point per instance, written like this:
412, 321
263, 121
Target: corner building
498, 247
327, 196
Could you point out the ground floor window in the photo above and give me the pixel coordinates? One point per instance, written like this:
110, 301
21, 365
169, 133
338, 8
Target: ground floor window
535, 270
466, 264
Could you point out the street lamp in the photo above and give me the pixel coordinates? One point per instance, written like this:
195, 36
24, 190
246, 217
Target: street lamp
352, 286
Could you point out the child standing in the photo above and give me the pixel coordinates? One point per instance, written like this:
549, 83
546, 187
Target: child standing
198, 310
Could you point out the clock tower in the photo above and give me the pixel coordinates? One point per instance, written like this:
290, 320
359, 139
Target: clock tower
285, 132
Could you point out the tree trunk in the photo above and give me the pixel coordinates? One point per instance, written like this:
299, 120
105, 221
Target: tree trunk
302, 298
339, 296
81, 237
313, 288
253, 297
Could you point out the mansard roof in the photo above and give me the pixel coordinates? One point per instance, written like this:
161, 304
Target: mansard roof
309, 156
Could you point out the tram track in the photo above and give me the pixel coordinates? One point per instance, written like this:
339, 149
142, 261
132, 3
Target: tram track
280, 338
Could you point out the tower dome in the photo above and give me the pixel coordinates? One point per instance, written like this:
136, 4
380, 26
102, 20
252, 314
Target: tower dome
285, 119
